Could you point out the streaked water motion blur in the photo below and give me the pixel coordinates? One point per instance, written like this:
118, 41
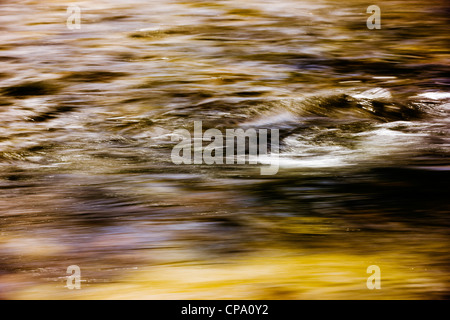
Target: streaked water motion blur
86, 118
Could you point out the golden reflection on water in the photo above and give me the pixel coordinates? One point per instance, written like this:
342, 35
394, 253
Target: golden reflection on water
85, 171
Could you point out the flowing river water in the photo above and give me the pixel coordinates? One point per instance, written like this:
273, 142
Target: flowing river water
86, 177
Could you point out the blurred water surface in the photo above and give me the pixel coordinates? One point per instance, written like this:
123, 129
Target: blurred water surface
86, 118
